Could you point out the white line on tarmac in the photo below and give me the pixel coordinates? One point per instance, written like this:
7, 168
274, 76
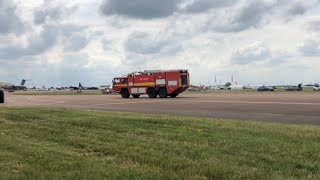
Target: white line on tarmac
136, 102
42, 100
255, 102
10, 100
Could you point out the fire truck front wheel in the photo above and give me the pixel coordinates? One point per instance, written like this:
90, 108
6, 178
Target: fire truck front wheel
1, 96
152, 93
125, 93
163, 93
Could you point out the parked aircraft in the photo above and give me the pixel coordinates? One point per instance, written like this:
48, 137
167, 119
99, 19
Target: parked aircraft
87, 88
294, 88
235, 85
264, 88
13, 88
316, 87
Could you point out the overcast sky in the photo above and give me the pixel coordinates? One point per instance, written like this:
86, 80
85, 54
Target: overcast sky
59, 42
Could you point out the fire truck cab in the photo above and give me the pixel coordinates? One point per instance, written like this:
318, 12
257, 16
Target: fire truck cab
156, 82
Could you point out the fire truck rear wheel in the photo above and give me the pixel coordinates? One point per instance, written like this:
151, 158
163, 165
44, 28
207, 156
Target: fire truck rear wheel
125, 93
152, 93
136, 96
173, 95
162, 93
1, 96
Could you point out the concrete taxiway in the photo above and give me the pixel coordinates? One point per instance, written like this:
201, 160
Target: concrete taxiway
284, 107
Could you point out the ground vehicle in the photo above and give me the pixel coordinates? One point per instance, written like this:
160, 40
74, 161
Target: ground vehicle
294, 88
1, 96
154, 83
264, 88
316, 87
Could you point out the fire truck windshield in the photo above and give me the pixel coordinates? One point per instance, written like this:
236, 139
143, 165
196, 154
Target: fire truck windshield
116, 81
120, 81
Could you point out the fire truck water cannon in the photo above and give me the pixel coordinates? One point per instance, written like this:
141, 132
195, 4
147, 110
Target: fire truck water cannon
152, 82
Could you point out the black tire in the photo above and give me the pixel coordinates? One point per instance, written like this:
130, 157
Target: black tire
1, 96
125, 93
152, 93
136, 96
173, 95
163, 93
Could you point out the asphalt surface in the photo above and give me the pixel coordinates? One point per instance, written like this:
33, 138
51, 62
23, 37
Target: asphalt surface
282, 107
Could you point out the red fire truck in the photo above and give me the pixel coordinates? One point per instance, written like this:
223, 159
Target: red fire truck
154, 83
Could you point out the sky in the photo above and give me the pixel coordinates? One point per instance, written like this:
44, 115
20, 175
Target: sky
62, 43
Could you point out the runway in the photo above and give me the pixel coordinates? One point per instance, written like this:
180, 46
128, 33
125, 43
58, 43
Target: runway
282, 107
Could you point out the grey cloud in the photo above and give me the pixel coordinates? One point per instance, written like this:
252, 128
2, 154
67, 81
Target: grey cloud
37, 45
76, 43
142, 9
143, 43
50, 11
280, 58
10, 22
253, 53
297, 9
198, 6
252, 14
310, 48
300, 7
314, 26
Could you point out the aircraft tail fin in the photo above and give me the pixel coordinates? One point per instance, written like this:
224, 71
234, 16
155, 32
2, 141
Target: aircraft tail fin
23, 82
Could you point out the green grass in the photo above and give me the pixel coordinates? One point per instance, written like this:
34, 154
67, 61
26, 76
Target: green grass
72, 144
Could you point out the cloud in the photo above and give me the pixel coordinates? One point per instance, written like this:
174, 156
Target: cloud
141, 9
314, 26
37, 44
76, 43
252, 53
300, 7
52, 11
250, 14
199, 6
144, 43
310, 48
10, 22
144, 50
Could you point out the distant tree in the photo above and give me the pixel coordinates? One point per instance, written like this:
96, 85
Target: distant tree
228, 84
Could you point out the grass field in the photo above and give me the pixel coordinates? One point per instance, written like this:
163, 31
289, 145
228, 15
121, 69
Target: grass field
63, 144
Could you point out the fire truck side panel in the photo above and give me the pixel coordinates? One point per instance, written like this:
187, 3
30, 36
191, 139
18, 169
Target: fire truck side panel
138, 90
160, 80
130, 82
144, 80
172, 82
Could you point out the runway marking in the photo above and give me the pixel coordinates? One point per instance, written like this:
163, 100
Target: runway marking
136, 102
10, 100
41, 100
257, 102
